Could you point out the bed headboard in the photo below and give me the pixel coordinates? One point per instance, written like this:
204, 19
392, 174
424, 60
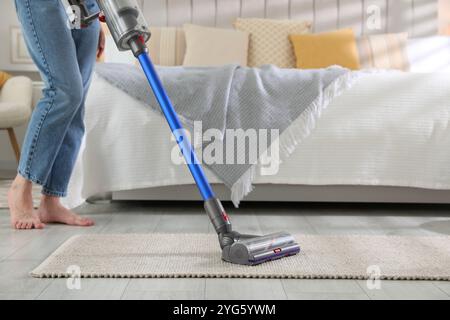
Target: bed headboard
417, 17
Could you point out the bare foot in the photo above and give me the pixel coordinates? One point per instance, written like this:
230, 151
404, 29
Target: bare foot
52, 211
20, 201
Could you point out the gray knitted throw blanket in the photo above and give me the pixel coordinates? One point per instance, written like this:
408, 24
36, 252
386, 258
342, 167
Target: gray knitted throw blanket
245, 120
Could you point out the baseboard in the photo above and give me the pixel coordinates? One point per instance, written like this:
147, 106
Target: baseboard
297, 193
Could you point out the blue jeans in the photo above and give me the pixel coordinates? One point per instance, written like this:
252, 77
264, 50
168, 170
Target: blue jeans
65, 59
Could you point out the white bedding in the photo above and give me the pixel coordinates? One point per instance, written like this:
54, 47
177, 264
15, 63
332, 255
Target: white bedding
390, 129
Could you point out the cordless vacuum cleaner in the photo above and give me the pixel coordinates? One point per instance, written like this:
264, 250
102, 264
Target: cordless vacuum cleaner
130, 32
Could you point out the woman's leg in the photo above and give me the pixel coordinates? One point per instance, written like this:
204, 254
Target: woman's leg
51, 210
50, 43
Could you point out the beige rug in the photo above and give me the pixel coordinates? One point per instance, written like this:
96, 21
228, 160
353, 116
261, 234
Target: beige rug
198, 255
4, 187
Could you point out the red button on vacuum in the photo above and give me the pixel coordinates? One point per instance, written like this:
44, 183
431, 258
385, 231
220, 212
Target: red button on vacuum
225, 216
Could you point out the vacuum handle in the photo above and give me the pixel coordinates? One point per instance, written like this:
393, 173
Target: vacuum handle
130, 32
176, 127
213, 207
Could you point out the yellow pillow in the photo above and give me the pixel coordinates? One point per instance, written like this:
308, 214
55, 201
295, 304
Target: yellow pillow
4, 77
314, 51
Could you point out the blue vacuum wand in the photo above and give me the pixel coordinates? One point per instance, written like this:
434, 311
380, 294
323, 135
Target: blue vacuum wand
130, 32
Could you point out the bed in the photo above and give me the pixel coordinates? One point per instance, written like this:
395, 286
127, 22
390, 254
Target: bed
368, 146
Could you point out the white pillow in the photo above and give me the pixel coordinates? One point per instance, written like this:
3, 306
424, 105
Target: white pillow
430, 54
215, 47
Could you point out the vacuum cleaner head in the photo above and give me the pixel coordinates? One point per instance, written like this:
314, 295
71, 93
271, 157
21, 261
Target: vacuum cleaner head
253, 250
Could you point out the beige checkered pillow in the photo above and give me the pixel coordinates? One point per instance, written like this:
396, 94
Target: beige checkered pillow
384, 51
269, 40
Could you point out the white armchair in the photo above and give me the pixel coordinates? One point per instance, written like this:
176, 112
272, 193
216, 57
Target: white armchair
15, 107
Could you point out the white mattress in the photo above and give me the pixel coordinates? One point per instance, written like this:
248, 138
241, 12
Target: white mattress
390, 129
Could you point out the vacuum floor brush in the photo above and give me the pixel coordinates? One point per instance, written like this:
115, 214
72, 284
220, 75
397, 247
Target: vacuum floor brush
130, 32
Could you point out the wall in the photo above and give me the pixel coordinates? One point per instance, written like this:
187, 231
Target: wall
417, 17
8, 19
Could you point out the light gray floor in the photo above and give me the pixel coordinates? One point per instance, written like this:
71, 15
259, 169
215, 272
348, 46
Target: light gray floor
21, 251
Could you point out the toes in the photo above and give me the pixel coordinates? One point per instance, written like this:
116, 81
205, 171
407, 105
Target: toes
24, 225
38, 225
84, 222
28, 225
